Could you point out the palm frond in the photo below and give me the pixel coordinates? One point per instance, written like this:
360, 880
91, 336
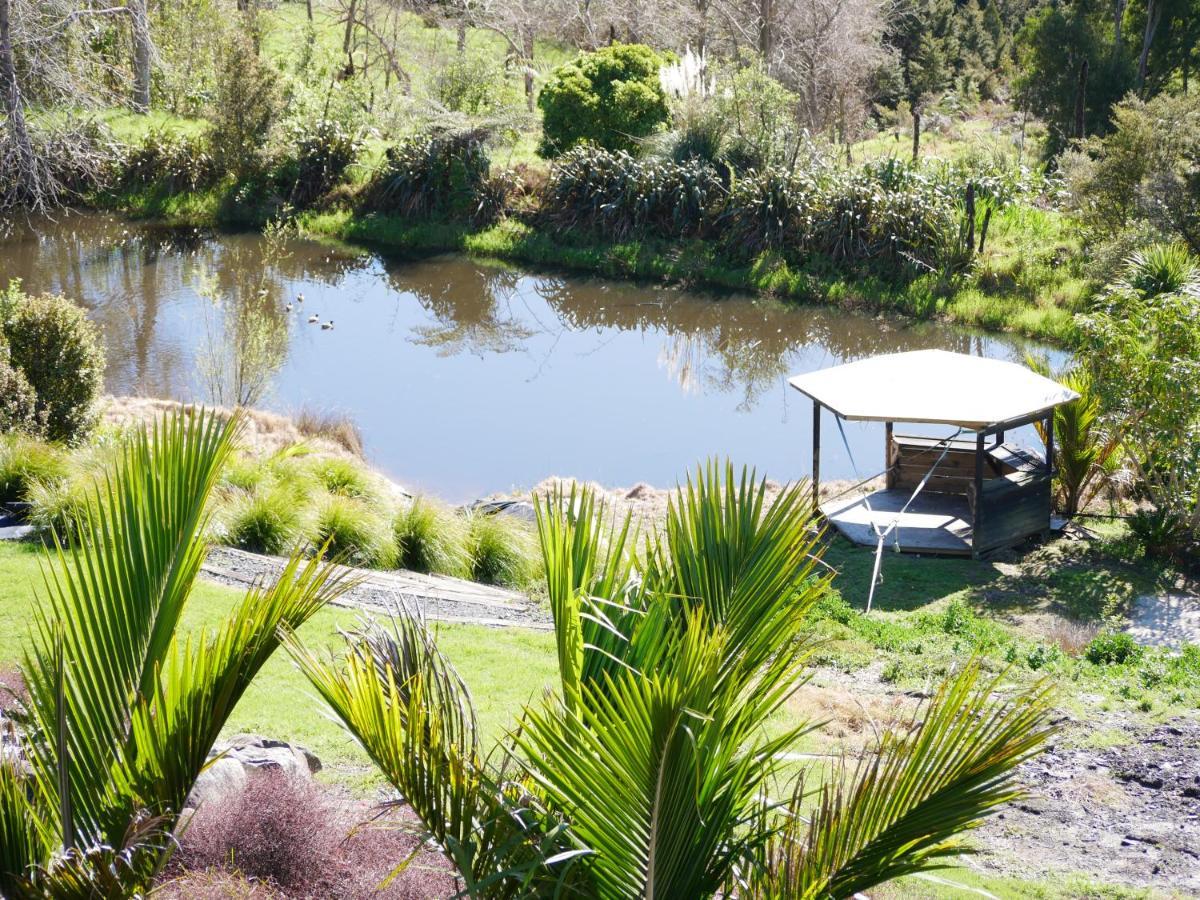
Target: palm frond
173, 729
904, 808
405, 704
112, 602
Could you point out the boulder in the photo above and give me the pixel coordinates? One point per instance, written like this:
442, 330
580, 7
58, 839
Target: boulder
234, 762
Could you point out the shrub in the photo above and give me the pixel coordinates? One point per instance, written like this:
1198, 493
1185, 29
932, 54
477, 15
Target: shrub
622, 196
247, 103
355, 533
174, 162
1112, 648
316, 159
472, 84
343, 477
58, 349
427, 175
432, 538
502, 550
610, 97
23, 461
18, 400
59, 506
759, 116
266, 521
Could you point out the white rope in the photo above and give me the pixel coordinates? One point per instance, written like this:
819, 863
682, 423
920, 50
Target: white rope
881, 536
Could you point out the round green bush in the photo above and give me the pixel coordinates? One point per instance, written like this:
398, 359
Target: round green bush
354, 533
1112, 648
58, 349
269, 521
432, 538
610, 97
18, 400
502, 551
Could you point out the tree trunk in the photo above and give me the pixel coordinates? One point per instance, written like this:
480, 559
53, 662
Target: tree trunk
766, 35
10, 94
916, 114
461, 43
1081, 102
701, 26
1153, 16
527, 62
308, 9
1118, 16
139, 20
348, 36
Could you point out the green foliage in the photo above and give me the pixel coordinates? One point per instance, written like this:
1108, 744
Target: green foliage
354, 533
248, 102
471, 83
501, 550
265, 521
1112, 648
435, 175
123, 711
649, 775
343, 477
1087, 453
431, 537
618, 195
1145, 170
1144, 352
610, 97
315, 159
758, 116
1054, 42
58, 350
25, 460
171, 160
884, 211
18, 400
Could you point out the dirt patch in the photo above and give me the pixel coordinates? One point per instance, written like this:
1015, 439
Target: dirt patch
1165, 620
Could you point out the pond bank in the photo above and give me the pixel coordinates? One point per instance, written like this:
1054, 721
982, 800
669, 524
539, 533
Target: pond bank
1021, 285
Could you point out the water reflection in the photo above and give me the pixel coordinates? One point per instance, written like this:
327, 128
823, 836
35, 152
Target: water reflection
467, 377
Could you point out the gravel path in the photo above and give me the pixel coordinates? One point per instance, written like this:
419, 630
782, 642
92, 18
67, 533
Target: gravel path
438, 597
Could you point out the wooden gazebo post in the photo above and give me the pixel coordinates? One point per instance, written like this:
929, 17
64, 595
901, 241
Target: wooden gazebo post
816, 456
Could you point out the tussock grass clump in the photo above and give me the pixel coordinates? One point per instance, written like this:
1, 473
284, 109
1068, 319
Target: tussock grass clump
267, 521
60, 504
25, 460
503, 550
344, 478
432, 538
355, 533
335, 427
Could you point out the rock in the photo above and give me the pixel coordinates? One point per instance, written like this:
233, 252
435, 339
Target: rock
518, 509
244, 756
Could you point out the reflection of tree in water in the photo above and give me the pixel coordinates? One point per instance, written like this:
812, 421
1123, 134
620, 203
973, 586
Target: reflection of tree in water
471, 306
125, 273
739, 345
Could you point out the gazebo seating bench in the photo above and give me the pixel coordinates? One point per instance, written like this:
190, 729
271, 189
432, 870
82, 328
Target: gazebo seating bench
911, 458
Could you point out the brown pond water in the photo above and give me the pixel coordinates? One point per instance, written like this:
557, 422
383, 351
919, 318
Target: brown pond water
468, 378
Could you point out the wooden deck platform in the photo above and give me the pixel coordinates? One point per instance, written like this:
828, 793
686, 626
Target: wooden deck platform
934, 523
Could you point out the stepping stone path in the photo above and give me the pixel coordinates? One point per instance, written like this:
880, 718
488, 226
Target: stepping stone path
438, 597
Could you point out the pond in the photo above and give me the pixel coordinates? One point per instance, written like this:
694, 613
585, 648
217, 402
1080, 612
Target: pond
468, 378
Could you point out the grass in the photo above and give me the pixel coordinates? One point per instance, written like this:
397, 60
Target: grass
354, 532
431, 537
279, 703
25, 461
503, 550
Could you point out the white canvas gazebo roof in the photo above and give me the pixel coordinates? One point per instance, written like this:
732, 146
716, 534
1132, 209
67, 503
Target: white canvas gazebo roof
933, 386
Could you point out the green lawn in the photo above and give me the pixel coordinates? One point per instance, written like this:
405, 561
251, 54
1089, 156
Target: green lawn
504, 668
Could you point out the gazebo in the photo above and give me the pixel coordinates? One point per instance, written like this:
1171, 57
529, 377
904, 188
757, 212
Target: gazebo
954, 495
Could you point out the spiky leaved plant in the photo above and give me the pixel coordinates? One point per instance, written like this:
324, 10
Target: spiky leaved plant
648, 773
124, 706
